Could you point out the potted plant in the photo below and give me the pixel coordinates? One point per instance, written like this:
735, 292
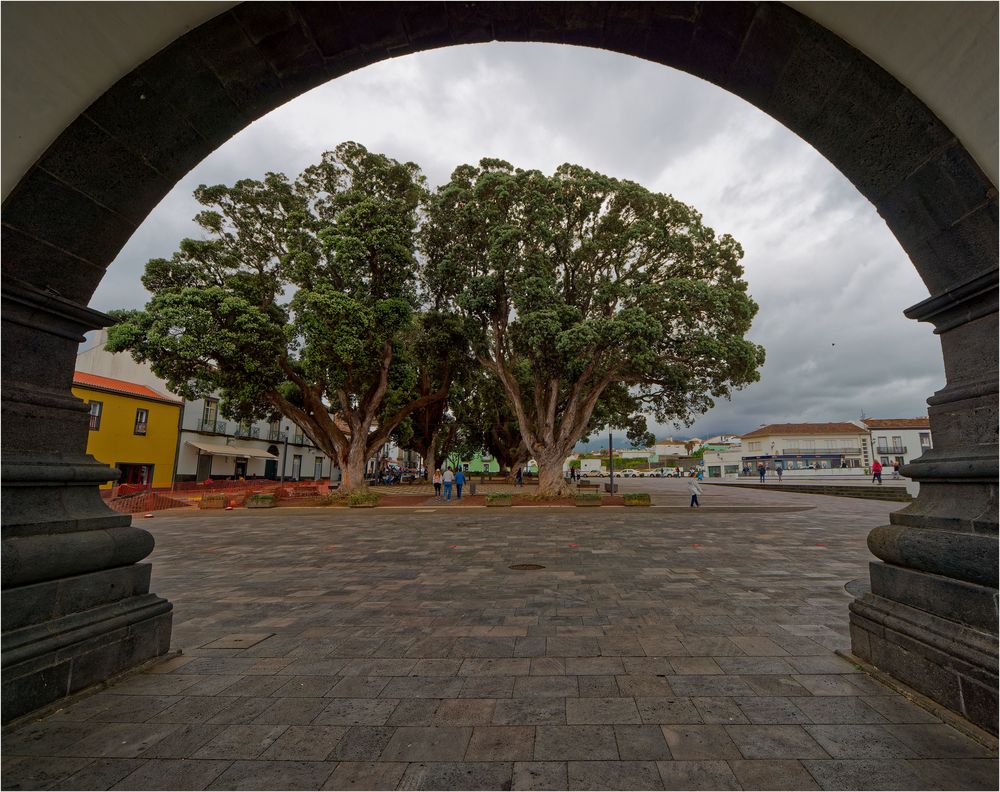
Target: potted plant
262, 500
216, 501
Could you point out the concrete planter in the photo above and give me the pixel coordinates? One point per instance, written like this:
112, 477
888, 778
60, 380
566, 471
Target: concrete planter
637, 499
588, 499
213, 502
261, 502
364, 505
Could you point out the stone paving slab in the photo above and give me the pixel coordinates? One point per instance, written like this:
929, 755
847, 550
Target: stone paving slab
331, 649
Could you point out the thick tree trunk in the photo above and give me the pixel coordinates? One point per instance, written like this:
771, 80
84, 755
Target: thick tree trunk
352, 466
430, 461
550, 474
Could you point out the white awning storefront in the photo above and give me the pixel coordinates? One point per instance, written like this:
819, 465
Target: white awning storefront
218, 449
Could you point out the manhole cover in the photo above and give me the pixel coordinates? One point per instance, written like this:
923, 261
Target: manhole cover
527, 567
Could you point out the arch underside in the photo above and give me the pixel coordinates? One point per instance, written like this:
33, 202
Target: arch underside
931, 617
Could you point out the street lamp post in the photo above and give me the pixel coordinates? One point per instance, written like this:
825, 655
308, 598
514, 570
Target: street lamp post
284, 455
611, 461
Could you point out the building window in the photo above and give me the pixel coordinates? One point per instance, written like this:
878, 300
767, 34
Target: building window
96, 408
210, 415
141, 420
885, 461
925, 441
897, 444
754, 446
318, 474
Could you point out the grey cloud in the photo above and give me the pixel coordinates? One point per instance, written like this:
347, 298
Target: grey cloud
830, 280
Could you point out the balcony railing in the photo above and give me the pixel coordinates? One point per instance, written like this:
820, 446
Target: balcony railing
891, 449
276, 435
248, 431
299, 439
219, 427
822, 451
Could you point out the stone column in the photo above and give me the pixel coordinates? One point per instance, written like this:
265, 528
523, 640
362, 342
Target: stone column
930, 619
76, 604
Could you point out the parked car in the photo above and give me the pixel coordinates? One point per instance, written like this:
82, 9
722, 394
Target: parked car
594, 474
628, 473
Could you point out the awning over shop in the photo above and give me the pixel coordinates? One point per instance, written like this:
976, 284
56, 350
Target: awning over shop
217, 449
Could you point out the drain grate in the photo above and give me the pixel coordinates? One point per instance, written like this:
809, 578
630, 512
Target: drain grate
527, 567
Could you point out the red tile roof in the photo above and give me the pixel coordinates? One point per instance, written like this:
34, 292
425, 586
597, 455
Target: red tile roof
805, 428
897, 423
110, 385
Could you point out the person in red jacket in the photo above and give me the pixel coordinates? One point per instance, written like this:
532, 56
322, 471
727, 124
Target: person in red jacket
876, 472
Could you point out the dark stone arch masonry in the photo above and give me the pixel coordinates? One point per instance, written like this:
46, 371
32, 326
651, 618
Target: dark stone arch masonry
76, 601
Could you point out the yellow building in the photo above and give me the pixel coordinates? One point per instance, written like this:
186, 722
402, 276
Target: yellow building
132, 428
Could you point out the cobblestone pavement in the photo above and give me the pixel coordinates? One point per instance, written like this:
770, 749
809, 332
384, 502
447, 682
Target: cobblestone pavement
657, 649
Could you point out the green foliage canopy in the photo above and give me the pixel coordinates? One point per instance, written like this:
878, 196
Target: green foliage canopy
578, 287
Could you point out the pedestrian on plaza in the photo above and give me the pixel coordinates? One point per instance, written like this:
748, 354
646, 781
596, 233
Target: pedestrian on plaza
519, 477
895, 469
761, 471
695, 489
459, 481
778, 471
437, 483
448, 478
877, 472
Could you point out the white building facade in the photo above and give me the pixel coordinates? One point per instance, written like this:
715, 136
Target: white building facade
819, 448
898, 439
211, 446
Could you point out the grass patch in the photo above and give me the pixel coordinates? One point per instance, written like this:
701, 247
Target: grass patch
637, 499
499, 499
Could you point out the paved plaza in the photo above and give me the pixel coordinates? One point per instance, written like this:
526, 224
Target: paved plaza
662, 648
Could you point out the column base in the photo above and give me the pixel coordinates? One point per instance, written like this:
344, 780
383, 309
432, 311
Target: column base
65, 635
948, 661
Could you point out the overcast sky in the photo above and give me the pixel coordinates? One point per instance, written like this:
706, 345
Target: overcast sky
830, 279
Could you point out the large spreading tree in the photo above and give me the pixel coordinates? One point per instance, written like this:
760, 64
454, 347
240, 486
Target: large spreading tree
578, 287
301, 300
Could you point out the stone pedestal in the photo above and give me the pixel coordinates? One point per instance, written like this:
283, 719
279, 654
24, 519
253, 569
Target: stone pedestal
930, 619
76, 606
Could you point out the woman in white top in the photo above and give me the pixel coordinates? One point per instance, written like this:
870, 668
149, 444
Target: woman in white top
437, 483
695, 489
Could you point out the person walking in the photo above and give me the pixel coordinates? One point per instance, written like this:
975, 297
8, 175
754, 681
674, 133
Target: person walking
695, 489
459, 481
437, 483
519, 477
761, 471
778, 471
895, 469
877, 472
448, 478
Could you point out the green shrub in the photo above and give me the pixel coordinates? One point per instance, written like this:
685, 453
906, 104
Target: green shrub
362, 499
588, 499
637, 499
499, 499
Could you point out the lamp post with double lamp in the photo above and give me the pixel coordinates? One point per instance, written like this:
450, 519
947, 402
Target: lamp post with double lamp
284, 455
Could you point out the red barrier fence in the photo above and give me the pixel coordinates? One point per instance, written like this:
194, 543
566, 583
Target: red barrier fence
147, 501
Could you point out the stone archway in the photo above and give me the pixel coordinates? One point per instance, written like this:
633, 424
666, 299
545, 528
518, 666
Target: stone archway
77, 605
